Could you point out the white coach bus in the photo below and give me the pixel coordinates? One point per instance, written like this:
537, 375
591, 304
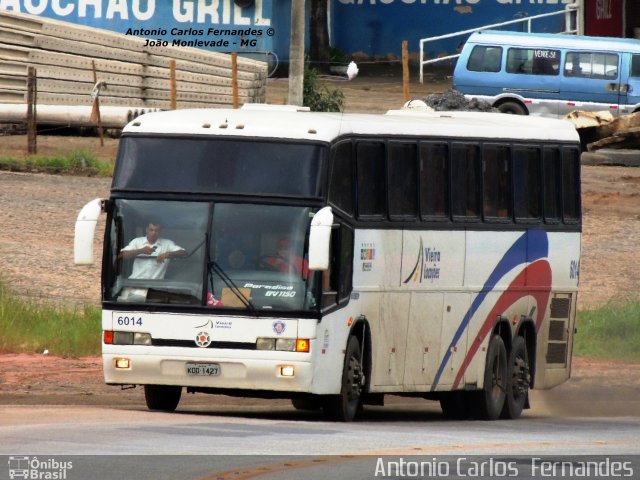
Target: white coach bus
335, 258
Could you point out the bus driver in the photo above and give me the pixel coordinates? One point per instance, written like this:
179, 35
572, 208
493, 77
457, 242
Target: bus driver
151, 253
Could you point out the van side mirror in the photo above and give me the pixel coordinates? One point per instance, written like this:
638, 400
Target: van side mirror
84, 232
320, 239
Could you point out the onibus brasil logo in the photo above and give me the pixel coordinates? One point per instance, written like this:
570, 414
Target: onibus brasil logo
40, 469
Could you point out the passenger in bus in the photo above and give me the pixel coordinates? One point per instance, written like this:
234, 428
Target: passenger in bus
151, 253
286, 261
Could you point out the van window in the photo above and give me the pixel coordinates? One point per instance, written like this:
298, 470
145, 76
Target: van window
635, 66
485, 59
533, 61
591, 65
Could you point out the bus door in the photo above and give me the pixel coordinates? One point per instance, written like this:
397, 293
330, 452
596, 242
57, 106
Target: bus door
590, 82
630, 89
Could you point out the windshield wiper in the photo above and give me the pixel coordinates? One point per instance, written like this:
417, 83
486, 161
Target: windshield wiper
213, 266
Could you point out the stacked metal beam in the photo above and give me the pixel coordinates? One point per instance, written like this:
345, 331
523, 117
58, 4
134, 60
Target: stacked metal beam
136, 77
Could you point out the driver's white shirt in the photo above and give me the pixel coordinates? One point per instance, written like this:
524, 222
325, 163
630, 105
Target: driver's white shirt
146, 266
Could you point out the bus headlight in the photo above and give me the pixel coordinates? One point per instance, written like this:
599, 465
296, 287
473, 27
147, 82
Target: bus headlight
265, 344
127, 338
286, 344
140, 338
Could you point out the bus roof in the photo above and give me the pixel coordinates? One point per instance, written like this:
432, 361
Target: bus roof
287, 122
549, 40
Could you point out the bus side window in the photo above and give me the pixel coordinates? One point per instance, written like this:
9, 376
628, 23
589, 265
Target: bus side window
496, 182
402, 178
465, 181
337, 282
527, 184
370, 186
485, 59
434, 181
341, 182
570, 185
551, 184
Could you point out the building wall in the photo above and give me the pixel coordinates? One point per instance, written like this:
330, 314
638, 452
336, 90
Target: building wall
377, 27
373, 27
604, 18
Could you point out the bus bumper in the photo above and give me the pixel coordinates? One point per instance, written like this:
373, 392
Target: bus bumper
250, 374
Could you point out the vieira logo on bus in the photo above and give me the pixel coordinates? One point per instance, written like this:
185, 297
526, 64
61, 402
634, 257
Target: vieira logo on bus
427, 265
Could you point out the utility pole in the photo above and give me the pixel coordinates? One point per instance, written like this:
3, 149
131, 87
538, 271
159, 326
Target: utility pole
296, 53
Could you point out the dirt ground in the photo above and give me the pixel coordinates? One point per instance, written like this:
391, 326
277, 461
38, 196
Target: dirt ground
38, 211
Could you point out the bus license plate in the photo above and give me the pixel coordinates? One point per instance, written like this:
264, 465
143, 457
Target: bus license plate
205, 369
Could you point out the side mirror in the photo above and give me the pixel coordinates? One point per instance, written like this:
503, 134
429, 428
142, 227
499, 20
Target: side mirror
319, 239
84, 232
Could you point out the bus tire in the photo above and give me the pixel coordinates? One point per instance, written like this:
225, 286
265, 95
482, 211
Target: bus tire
518, 380
512, 108
343, 407
490, 400
162, 397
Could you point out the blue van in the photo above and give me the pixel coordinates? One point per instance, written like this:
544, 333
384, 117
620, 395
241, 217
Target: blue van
550, 74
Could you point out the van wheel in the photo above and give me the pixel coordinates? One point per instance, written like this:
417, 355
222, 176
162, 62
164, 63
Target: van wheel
518, 380
162, 397
512, 108
343, 407
490, 400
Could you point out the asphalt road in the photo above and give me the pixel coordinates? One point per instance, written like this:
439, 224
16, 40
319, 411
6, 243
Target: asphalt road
268, 442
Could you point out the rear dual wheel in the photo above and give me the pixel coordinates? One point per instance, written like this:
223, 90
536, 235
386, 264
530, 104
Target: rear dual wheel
491, 399
518, 380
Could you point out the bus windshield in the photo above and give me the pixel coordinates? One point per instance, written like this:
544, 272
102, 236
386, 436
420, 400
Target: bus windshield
218, 255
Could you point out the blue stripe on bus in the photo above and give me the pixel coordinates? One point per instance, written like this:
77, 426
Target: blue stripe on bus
535, 245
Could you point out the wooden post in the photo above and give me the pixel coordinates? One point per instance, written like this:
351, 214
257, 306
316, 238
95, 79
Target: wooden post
96, 103
172, 86
32, 93
234, 80
405, 72
296, 53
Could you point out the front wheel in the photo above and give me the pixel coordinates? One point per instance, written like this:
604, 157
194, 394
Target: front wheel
343, 407
512, 108
518, 380
492, 396
162, 397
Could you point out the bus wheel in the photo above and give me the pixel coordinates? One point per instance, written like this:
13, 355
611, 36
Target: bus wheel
343, 407
512, 108
518, 380
491, 398
162, 397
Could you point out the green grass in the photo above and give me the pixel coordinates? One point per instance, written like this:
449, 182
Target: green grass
74, 163
610, 332
28, 327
